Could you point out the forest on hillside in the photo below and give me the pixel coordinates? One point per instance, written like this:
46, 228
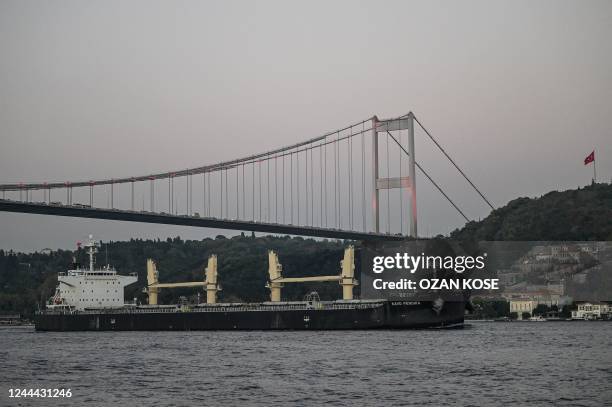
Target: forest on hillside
572, 215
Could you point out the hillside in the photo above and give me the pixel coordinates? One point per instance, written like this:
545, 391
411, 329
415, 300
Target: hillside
579, 214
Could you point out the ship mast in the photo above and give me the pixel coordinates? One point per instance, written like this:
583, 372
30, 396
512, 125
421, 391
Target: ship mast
92, 249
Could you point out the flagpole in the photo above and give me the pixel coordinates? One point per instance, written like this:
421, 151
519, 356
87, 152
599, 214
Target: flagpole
594, 169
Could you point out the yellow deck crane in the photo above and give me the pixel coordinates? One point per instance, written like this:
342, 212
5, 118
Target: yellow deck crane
210, 281
346, 277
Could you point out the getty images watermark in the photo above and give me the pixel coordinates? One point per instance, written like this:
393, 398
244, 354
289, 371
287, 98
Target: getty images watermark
422, 262
423, 270
549, 272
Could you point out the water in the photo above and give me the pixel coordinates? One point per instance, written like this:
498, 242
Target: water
487, 364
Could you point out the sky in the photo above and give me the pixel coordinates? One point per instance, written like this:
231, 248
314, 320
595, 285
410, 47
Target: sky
518, 92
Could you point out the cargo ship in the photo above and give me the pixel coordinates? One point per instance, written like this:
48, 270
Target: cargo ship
92, 299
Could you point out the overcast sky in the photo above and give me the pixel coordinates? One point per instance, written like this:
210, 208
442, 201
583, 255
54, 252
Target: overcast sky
519, 92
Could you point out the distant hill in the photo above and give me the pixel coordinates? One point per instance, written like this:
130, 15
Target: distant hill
579, 214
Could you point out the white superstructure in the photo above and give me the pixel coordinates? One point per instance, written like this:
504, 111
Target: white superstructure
90, 288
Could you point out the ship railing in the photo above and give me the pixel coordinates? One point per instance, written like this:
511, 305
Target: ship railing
173, 309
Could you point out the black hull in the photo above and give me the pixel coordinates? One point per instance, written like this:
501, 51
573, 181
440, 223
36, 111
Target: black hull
384, 315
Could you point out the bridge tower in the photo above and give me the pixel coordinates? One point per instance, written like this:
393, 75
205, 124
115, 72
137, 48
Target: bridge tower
409, 183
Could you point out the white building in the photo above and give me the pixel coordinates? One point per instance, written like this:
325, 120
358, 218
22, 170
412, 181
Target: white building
527, 301
520, 305
592, 310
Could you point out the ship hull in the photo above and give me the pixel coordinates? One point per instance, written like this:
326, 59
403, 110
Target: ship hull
383, 315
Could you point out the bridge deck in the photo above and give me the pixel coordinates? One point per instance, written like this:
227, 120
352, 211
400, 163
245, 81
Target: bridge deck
184, 220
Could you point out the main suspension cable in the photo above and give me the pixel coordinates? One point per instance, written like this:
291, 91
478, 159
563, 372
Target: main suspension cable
454, 164
431, 180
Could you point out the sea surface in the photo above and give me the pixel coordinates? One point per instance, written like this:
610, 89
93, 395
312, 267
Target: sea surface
485, 364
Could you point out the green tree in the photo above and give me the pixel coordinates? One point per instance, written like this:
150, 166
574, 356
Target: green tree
541, 309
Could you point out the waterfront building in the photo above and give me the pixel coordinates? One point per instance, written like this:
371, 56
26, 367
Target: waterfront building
592, 310
520, 305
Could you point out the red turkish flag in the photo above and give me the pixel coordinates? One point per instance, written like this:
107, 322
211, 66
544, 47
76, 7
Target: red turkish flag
590, 158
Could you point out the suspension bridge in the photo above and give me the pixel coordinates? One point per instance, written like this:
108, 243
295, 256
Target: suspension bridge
357, 182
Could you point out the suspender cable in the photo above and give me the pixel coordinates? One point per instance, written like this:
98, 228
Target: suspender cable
306, 187
363, 199
339, 184
401, 190
283, 189
311, 188
336, 182
297, 181
268, 192
291, 185
325, 180
259, 184
350, 168
253, 191
321, 185
276, 189
388, 192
